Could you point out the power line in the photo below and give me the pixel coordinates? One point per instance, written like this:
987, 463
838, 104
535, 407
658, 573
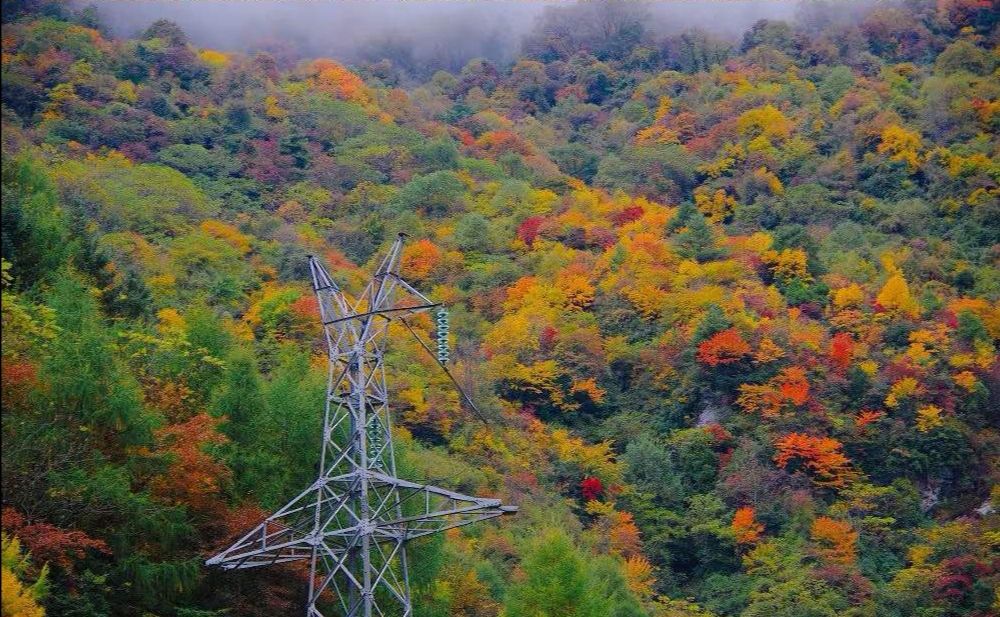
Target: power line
444, 368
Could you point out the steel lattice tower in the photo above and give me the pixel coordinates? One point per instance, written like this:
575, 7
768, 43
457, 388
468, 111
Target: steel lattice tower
352, 523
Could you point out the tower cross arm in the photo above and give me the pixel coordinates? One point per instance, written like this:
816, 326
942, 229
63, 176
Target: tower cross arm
421, 509
395, 309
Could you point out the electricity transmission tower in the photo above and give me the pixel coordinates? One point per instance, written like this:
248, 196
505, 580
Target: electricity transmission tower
352, 523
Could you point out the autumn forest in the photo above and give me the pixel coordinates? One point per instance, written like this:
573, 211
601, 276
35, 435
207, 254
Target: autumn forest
728, 306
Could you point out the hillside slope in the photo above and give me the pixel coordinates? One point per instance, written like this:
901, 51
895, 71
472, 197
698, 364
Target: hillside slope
732, 312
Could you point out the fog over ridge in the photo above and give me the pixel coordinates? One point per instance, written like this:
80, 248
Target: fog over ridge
444, 32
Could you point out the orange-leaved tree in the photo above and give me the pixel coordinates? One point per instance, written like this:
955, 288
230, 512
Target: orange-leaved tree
836, 541
841, 350
194, 477
789, 387
745, 527
820, 457
420, 259
725, 347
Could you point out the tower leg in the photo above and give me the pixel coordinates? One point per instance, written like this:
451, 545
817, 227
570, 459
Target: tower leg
404, 570
311, 606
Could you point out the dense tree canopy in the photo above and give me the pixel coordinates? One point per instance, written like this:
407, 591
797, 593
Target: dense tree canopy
731, 306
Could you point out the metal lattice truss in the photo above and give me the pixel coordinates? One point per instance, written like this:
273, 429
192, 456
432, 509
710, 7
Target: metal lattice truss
352, 523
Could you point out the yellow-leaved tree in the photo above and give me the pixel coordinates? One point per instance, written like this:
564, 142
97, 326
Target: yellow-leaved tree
18, 599
766, 121
901, 144
895, 295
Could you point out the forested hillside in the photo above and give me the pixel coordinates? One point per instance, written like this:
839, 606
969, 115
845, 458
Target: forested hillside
730, 308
